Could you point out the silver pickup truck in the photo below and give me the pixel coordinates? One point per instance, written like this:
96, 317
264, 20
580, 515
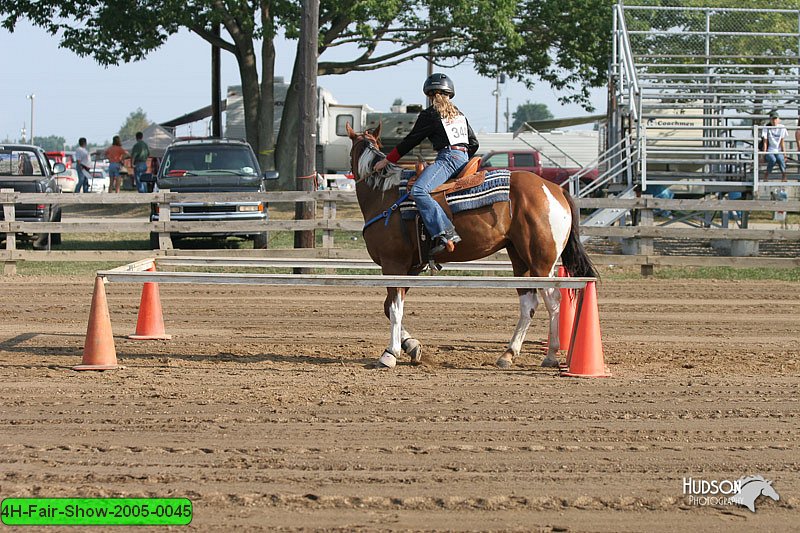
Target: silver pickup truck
211, 165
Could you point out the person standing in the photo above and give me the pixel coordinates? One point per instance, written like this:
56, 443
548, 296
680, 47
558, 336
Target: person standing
454, 141
773, 136
115, 154
139, 155
81, 163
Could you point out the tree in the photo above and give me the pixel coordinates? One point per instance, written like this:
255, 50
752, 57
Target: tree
527, 39
528, 112
136, 121
51, 143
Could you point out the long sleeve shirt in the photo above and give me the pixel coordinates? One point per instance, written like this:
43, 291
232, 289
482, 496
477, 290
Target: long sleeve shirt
429, 125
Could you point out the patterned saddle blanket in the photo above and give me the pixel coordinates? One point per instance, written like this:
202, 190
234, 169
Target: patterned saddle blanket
494, 188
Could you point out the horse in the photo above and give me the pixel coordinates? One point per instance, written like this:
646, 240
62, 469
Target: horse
537, 226
751, 488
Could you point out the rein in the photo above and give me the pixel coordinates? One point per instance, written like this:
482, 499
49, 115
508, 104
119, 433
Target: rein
394, 207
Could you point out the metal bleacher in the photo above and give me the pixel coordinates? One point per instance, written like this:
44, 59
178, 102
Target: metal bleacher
692, 91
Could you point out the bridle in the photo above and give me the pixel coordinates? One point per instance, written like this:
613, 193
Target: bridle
373, 146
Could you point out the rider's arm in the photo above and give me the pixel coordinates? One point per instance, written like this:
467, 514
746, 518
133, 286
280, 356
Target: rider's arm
421, 130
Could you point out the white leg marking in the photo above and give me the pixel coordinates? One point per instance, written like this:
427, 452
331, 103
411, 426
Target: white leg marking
396, 319
560, 221
528, 302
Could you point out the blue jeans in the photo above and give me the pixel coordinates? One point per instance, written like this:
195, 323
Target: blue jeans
138, 170
773, 158
448, 163
83, 181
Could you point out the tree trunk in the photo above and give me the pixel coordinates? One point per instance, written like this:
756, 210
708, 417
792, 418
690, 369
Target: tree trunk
266, 116
286, 147
251, 95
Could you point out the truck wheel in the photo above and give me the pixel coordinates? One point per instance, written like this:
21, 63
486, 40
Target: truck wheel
55, 238
261, 241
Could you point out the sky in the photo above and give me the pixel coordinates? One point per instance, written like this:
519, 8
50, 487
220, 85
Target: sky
75, 97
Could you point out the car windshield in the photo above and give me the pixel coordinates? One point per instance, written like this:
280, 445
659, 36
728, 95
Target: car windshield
208, 160
19, 163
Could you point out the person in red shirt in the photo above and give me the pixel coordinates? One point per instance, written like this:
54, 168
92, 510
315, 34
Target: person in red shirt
454, 141
115, 154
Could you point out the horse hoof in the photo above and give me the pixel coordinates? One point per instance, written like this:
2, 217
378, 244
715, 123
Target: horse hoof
387, 360
503, 363
413, 348
548, 362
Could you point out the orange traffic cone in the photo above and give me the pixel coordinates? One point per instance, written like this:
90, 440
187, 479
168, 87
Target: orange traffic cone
150, 324
586, 354
99, 352
566, 313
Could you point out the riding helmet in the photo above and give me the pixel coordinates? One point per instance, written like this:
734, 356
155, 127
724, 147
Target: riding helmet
439, 82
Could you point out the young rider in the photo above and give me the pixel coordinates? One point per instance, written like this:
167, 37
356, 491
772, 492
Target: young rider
454, 141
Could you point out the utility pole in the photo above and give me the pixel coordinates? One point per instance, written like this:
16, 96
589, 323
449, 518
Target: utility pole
216, 86
501, 78
31, 97
307, 135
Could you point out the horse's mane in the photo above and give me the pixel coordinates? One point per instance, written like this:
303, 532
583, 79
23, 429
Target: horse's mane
745, 480
382, 181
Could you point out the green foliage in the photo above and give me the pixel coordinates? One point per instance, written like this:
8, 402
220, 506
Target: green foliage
50, 143
565, 43
529, 112
136, 121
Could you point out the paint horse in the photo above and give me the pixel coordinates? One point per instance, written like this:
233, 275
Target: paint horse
537, 224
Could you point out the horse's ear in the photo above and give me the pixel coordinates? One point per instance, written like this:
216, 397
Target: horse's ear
377, 131
350, 133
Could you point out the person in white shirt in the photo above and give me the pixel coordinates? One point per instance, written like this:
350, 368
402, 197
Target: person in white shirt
82, 165
772, 137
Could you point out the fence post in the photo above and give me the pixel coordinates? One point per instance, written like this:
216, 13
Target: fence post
646, 247
9, 215
328, 213
164, 237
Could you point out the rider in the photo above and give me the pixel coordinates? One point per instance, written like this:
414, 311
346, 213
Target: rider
454, 141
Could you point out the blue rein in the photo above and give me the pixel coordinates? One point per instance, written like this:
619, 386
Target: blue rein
386, 214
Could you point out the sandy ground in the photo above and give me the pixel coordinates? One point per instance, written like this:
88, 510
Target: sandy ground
263, 410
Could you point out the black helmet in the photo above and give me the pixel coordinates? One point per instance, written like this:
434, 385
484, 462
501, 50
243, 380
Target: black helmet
439, 82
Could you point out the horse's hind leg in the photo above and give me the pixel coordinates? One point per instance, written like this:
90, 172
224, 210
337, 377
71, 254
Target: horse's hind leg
528, 302
552, 301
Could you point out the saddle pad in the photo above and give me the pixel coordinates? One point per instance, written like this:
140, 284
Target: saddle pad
494, 189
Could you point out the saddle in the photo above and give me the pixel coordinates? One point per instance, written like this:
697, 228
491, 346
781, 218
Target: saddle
468, 177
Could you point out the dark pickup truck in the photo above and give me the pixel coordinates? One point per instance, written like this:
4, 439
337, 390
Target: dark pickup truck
211, 166
25, 168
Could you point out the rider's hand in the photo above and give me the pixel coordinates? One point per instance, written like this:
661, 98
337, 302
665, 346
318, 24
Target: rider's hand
380, 165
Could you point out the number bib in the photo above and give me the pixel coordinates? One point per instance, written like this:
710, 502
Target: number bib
456, 129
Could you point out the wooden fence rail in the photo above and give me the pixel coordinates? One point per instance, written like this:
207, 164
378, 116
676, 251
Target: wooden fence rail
329, 224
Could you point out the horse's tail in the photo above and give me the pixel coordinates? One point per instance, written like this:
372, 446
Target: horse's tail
574, 257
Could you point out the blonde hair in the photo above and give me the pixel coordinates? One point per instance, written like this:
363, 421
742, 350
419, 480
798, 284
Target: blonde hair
443, 106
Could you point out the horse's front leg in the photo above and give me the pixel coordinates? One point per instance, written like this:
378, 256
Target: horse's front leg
408, 344
552, 301
528, 302
393, 307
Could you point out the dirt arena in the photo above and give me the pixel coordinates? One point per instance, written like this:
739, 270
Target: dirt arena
263, 410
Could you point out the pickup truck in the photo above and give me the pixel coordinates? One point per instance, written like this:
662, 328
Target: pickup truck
211, 166
25, 168
531, 160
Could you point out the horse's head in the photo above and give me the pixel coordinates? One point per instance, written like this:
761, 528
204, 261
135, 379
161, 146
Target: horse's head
364, 153
769, 492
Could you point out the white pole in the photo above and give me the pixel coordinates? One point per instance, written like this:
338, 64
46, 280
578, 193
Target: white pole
31, 97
